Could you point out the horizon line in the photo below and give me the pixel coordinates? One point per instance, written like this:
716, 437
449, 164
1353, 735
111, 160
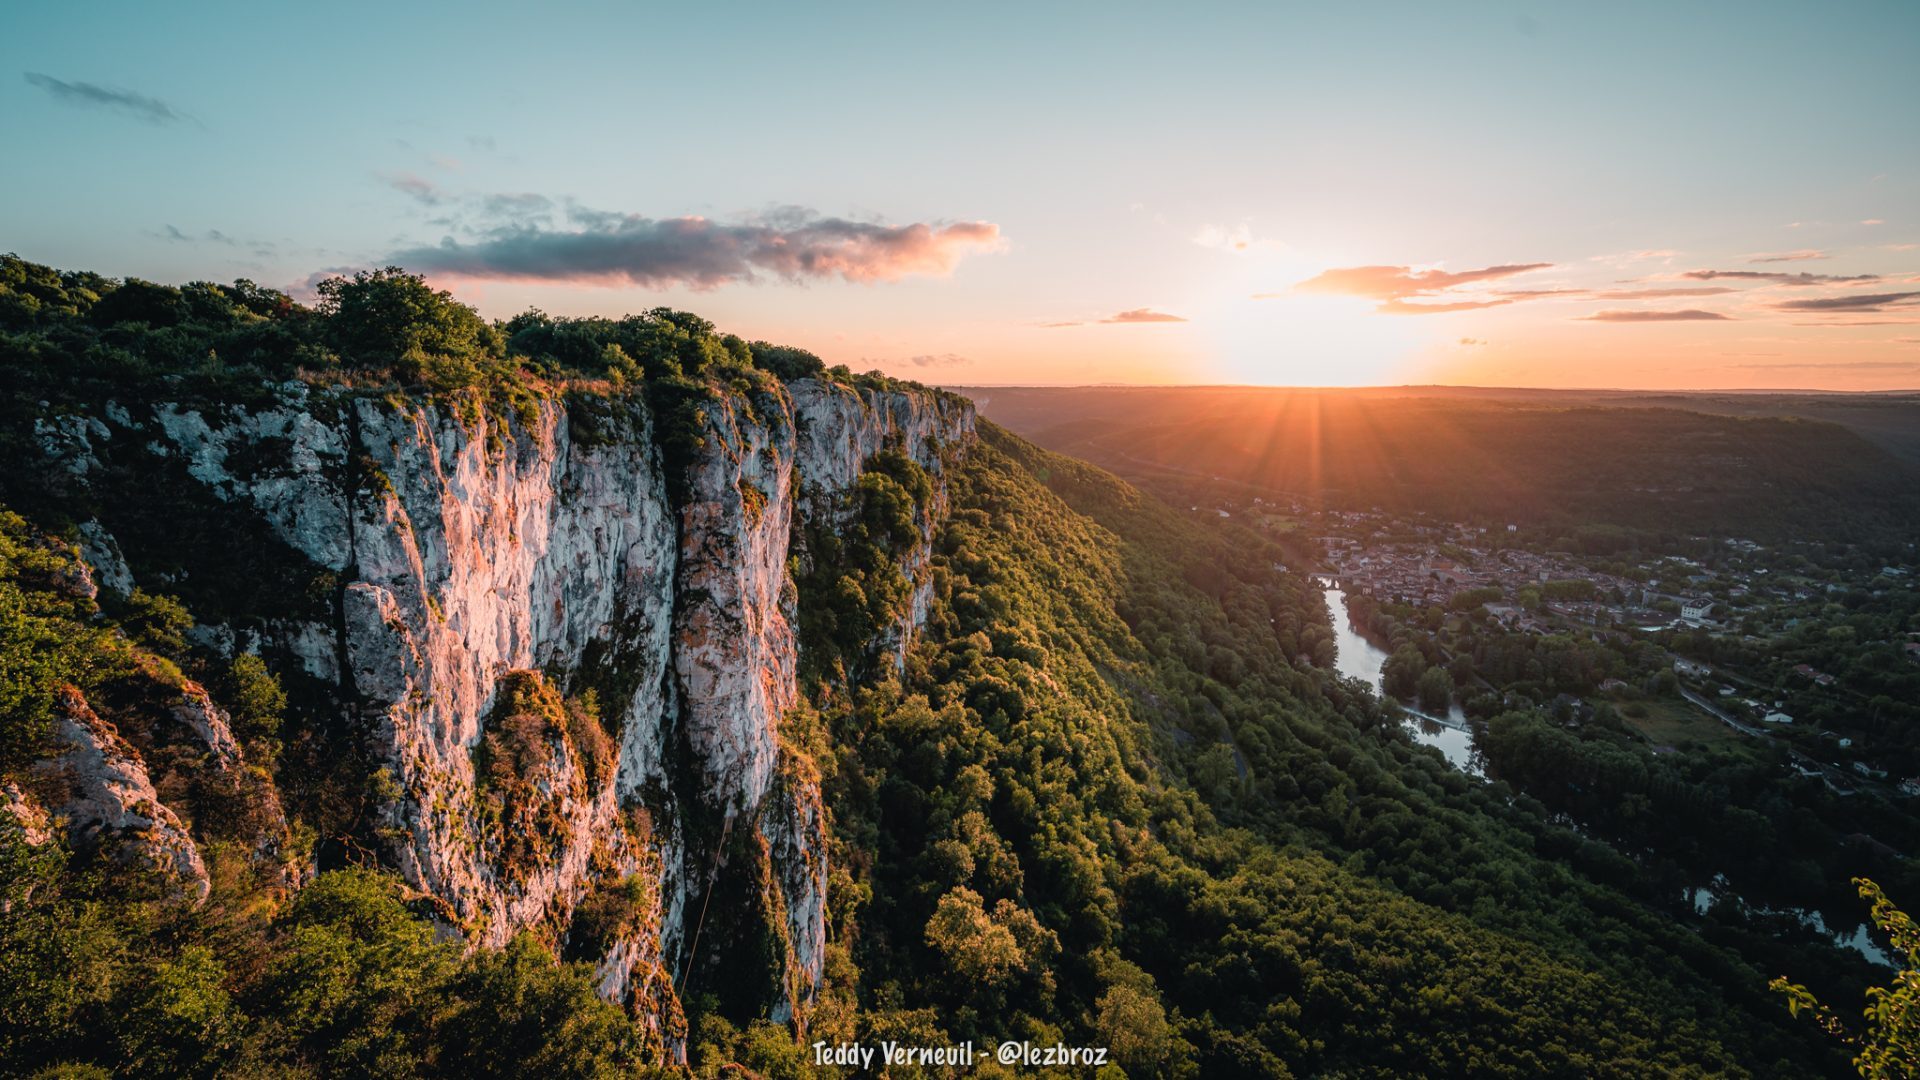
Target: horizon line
1429, 386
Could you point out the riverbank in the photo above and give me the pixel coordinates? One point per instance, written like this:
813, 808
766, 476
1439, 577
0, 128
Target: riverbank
1358, 657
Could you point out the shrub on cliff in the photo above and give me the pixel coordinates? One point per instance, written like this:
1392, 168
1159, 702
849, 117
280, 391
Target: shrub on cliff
382, 316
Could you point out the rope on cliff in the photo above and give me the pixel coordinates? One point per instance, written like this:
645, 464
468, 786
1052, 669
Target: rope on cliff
713, 874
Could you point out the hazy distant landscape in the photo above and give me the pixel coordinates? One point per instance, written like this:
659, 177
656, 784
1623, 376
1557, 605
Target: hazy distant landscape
756, 542
1755, 465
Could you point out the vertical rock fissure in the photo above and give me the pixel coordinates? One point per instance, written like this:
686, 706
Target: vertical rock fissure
350, 481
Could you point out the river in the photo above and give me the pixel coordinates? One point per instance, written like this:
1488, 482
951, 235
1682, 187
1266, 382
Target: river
1358, 658
1860, 939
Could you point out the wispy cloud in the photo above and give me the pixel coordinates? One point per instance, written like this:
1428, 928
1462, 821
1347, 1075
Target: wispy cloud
91, 95
1402, 290
1779, 277
938, 360
175, 235
1400, 282
1865, 302
211, 236
1662, 294
1803, 255
1227, 238
791, 244
1852, 365
1132, 316
415, 187
1683, 315
1401, 307
1622, 260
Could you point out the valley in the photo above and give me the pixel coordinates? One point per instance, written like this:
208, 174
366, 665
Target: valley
629, 696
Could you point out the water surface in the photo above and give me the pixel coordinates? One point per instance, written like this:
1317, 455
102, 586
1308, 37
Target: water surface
1356, 657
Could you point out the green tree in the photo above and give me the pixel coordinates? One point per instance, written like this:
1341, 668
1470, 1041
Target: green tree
1435, 690
1888, 1043
978, 947
254, 696
1401, 675
392, 317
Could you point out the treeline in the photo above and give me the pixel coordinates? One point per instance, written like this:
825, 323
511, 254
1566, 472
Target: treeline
373, 324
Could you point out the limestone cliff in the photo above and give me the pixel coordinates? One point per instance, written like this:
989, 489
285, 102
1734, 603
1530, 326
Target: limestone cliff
569, 666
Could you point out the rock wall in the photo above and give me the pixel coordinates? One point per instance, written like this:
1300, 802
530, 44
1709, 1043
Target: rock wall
470, 548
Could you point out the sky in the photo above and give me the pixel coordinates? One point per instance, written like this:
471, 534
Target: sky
1697, 195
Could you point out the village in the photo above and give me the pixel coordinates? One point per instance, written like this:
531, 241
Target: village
1707, 612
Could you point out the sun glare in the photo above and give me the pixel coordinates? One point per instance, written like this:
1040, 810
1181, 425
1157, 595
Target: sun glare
1299, 339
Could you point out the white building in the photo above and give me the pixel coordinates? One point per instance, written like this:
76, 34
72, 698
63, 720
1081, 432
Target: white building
1777, 717
1695, 612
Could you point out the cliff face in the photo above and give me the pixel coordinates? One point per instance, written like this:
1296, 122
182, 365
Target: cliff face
571, 675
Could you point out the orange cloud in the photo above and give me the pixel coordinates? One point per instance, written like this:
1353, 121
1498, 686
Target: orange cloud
1803, 255
1142, 315
1399, 282
1133, 315
1401, 307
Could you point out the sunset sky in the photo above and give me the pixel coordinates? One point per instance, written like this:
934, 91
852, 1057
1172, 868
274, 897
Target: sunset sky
1661, 195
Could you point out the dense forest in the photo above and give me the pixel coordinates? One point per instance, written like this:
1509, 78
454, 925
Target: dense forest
1738, 810
1113, 795
1652, 475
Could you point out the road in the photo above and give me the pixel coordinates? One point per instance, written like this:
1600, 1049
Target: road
1714, 711
1828, 773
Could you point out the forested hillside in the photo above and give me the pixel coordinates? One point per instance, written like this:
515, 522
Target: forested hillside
1105, 792
1542, 459
1108, 728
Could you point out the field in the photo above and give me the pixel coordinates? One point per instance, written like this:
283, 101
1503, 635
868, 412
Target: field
1673, 723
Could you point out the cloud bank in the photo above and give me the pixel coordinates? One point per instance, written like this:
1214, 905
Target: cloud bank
626, 249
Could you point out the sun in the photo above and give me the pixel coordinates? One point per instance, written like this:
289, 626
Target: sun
1262, 333
1265, 334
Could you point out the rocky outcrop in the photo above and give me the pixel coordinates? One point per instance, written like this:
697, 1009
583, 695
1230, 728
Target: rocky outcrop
475, 552
36, 826
107, 801
102, 555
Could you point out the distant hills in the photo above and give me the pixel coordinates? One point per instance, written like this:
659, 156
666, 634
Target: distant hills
1769, 466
